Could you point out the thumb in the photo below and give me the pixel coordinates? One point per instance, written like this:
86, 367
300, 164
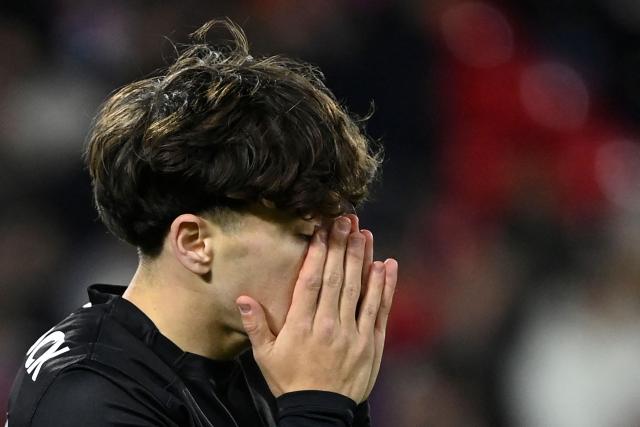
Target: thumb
254, 322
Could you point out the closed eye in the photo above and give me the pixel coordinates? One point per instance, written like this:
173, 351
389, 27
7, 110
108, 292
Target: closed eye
305, 237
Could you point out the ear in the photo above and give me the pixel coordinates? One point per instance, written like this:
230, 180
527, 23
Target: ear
191, 242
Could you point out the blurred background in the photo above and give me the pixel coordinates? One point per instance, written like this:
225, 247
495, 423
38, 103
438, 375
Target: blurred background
510, 193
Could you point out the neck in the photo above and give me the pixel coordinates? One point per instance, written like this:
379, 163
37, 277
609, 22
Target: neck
185, 313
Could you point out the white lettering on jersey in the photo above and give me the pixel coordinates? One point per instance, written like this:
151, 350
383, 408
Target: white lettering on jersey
34, 365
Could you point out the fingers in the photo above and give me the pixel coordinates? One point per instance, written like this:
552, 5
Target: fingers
333, 274
352, 277
305, 294
254, 322
368, 259
368, 250
371, 303
390, 281
355, 222
391, 277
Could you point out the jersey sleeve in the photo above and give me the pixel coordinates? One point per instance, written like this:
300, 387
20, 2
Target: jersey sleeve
85, 398
313, 408
362, 417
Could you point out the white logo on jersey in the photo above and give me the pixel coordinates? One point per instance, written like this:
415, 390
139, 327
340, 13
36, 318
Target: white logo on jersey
34, 365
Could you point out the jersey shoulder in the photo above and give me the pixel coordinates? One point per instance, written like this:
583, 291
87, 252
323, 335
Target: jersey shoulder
89, 345
83, 397
66, 344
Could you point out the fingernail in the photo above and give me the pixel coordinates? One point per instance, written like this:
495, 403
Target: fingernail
244, 308
344, 224
322, 235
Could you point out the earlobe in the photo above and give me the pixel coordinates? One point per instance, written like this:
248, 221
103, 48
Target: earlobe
190, 240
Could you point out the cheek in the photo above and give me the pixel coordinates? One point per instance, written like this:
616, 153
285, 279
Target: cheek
281, 257
279, 282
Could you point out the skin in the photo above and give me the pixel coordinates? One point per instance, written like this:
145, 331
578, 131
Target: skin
298, 292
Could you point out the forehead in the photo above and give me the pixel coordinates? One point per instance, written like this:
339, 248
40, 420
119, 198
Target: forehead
268, 217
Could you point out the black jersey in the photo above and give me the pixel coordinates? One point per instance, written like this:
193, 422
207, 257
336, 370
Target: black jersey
107, 364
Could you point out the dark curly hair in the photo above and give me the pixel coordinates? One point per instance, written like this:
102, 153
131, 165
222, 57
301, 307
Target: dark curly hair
219, 130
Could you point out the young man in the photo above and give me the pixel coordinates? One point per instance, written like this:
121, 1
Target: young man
234, 177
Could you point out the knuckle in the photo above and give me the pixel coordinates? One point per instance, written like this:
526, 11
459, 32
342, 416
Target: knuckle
350, 292
301, 328
251, 327
327, 327
386, 304
381, 333
385, 309
370, 310
338, 237
357, 240
334, 279
311, 281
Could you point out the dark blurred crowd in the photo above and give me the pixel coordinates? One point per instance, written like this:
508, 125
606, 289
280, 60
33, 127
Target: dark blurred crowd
510, 193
